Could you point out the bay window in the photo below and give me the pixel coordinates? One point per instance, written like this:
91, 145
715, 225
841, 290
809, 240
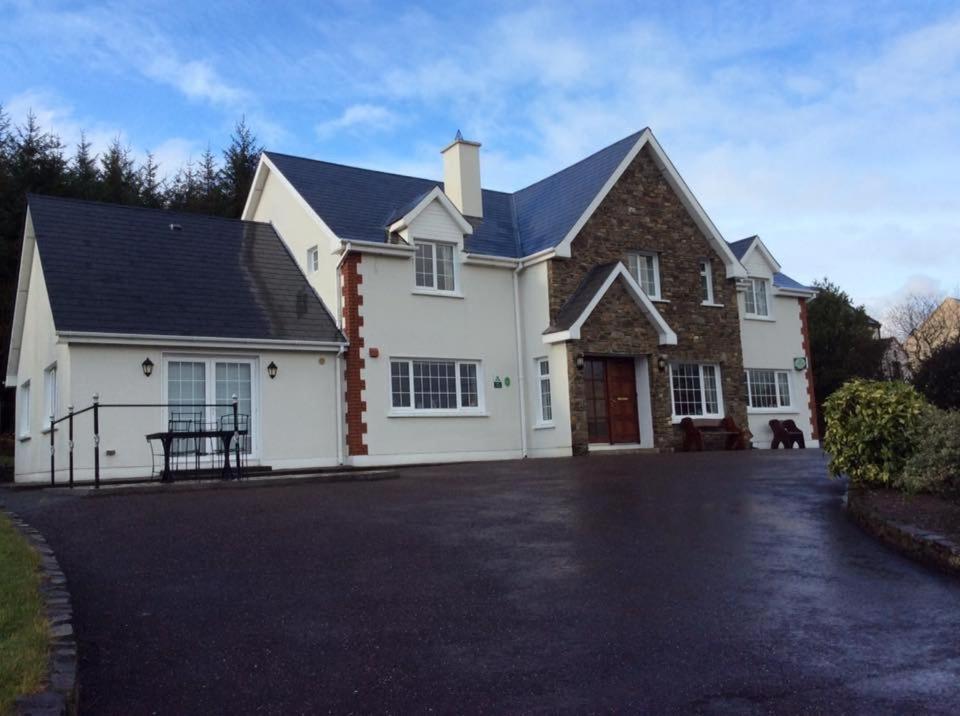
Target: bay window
695, 390
435, 386
755, 297
434, 266
767, 389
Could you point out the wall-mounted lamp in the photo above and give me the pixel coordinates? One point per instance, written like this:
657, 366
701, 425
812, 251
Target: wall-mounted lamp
661, 363
147, 366
272, 370
579, 361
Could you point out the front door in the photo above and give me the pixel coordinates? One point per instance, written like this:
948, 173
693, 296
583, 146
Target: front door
611, 396
622, 406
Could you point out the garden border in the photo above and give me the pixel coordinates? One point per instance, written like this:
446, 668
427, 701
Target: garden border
922, 545
60, 694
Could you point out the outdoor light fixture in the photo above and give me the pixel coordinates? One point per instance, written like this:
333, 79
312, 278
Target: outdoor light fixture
661, 364
580, 361
147, 366
272, 370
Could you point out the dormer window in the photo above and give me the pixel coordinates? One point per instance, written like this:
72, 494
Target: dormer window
435, 269
755, 298
645, 268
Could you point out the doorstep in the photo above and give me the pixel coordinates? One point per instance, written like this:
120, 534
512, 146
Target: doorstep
620, 449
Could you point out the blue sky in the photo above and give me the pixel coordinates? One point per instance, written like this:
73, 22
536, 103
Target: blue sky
831, 130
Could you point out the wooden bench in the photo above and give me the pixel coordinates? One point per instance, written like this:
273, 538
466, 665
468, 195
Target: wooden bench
786, 433
694, 430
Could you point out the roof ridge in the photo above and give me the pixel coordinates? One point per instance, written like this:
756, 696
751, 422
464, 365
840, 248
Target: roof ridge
353, 166
135, 207
581, 161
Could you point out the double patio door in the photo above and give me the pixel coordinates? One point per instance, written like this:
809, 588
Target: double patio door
194, 384
611, 396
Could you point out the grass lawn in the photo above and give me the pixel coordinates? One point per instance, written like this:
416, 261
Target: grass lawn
23, 628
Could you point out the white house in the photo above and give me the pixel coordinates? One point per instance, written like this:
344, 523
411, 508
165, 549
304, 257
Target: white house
590, 311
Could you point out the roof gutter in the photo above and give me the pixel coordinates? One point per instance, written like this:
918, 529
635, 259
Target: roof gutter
213, 341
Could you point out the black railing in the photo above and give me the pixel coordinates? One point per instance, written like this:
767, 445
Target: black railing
97, 406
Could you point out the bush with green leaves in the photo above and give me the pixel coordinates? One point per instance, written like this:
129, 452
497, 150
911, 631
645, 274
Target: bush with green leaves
935, 466
873, 428
938, 377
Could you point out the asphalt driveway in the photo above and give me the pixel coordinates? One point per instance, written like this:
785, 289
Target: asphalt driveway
719, 582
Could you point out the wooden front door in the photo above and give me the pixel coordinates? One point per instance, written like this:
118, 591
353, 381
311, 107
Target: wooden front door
622, 397
611, 395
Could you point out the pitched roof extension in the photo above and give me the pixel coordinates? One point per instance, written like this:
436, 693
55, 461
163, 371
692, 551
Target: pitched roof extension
126, 270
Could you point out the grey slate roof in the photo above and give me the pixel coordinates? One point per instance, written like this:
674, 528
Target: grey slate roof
575, 305
739, 248
780, 280
358, 204
120, 269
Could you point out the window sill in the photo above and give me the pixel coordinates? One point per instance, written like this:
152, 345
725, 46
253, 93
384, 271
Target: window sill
751, 317
786, 410
711, 304
23, 438
46, 430
676, 419
437, 414
544, 426
658, 300
440, 294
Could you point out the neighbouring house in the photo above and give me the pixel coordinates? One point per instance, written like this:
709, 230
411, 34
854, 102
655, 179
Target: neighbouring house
590, 311
940, 327
895, 364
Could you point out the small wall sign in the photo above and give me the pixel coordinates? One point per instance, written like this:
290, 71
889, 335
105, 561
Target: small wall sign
497, 383
800, 363
506, 381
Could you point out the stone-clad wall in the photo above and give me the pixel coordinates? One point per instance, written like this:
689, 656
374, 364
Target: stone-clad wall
642, 213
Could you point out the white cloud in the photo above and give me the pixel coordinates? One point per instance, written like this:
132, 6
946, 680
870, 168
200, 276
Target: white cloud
366, 117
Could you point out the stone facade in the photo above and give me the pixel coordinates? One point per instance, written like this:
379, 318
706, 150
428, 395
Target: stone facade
642, 213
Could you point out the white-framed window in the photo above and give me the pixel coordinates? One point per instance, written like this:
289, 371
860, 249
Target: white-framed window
23, 400
197, 381
435, 266
546, 397
706, 281
313, 259
435, 386
695, 390
755, 297
767, 389
645, 268
49, 395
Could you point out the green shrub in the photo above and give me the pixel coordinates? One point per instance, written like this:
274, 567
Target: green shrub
872, 429
935, 466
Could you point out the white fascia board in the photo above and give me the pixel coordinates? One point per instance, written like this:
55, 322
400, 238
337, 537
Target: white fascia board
20, 306
538, 257
298, 197
256, 191
665, 335
793, 292
196, 341
495, 261
435, 194
404, 251
758, 245
733, 266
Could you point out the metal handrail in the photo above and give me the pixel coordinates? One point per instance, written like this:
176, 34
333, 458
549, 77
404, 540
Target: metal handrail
95, 408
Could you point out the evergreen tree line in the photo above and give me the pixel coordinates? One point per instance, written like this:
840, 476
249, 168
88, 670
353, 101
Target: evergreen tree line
33, 160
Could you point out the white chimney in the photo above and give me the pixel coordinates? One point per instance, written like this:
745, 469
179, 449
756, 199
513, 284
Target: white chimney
461, 176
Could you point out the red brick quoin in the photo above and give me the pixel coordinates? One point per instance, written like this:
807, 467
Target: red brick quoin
355, 385
811, 398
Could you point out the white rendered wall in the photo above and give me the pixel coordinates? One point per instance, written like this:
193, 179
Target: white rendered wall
400, 322
279, 205
773, 344
297, 412
39, 350
551, 440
